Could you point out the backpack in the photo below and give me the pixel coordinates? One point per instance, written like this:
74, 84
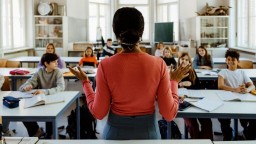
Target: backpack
87, 124
175, 131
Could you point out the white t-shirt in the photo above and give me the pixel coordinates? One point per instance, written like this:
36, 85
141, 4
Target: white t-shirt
234, 78
159, 52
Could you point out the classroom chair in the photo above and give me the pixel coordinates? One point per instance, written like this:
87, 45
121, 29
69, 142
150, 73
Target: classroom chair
245, 64
9, 63
6, 84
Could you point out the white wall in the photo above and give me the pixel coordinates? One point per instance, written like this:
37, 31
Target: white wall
77, 9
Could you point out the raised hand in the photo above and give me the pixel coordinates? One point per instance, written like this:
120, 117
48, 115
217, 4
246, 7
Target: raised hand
179, 73
78, 73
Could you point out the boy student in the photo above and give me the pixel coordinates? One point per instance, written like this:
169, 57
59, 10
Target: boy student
236, 80
48, 80
108, 50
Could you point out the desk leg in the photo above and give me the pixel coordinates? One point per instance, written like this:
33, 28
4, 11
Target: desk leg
78, 118
169, 130
235, 128
54, 129
14, 84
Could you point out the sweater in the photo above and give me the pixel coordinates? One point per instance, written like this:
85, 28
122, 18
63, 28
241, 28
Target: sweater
128, 84
52, 82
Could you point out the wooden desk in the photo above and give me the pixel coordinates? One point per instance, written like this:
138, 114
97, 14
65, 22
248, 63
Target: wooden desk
14, 78
124, 142
47, 113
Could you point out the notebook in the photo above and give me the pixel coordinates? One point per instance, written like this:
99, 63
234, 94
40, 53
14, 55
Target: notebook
208, 104
233, 96
21, 95
192, 94
42, 99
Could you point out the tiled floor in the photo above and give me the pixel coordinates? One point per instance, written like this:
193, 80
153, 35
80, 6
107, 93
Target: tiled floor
62, 120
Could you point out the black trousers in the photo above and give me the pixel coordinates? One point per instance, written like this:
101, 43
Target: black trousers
32, 128
249, 126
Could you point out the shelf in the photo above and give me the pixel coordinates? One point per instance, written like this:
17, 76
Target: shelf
48, 25
214, 38
214, 27
48, 16
49, 38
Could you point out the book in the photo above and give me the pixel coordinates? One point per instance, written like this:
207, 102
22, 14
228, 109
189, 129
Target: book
42, 99
233, 96
207, 104
211, 73
192, 94
21, 95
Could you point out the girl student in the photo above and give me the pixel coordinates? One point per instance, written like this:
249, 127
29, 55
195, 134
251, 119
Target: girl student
159, 49
192, 82
89, 59
202, 60
168, 58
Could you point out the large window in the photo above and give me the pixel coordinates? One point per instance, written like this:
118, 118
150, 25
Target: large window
12, 24
167, 11
143, 7
99, 18
246, 23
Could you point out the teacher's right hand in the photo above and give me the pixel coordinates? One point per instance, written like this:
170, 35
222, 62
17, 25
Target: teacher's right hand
179, 73
78, 73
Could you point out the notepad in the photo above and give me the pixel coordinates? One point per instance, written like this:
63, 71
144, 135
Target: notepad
193, 94
42, 99
233, 96
21, 95
208, 104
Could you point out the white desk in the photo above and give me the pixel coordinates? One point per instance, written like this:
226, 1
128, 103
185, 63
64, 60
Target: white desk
48, 112
14, 78
124, 142
34, 59
235, 142
250, 72
20, 140
230, 109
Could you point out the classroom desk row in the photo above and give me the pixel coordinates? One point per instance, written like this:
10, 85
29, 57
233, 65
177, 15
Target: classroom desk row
218, 62
34, 140
46, 113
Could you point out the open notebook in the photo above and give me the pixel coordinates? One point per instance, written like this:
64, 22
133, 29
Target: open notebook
233, 96
42, 99
192, 94
207, 104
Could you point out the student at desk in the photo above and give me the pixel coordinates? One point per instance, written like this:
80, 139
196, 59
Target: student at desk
108, 50
129, 83
236, 80
89, 59
48, 80
192, 82
50, 48
159, 49
168, 58
202, 60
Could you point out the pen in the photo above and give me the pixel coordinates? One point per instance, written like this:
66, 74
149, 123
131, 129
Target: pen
186, 96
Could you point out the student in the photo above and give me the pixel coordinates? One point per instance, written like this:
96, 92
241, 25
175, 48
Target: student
159, 49
236, 80
89, 59
50, 48
129, 82
108, 50
202, 60
48, 80
168, 58
192, 82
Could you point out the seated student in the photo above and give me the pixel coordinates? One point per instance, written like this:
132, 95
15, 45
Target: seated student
202, 60
108, 50
89, 59
49, 80
235, 80
192, 82
159, 49
168, 58
50, 48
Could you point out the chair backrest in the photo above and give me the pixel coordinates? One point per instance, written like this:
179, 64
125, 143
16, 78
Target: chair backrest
6, 84
3, 62
245, 64
12, 64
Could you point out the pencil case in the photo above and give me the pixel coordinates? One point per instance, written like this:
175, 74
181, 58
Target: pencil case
11, 102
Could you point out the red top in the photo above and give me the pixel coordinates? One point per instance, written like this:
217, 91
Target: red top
88, 59
129, 84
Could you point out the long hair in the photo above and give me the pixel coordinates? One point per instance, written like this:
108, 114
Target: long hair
158, 45
87, 49
206, 56
128, 26
51, 44
168, 48
192, 74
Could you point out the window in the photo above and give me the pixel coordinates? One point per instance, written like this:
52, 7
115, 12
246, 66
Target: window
143, 7
167, 11
12, 24
246, 23
99, 17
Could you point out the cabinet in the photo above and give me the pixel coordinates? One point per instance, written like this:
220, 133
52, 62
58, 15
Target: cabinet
212, 31
49, 29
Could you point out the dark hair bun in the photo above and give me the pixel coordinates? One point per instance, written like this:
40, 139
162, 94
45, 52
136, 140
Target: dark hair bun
129, 37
